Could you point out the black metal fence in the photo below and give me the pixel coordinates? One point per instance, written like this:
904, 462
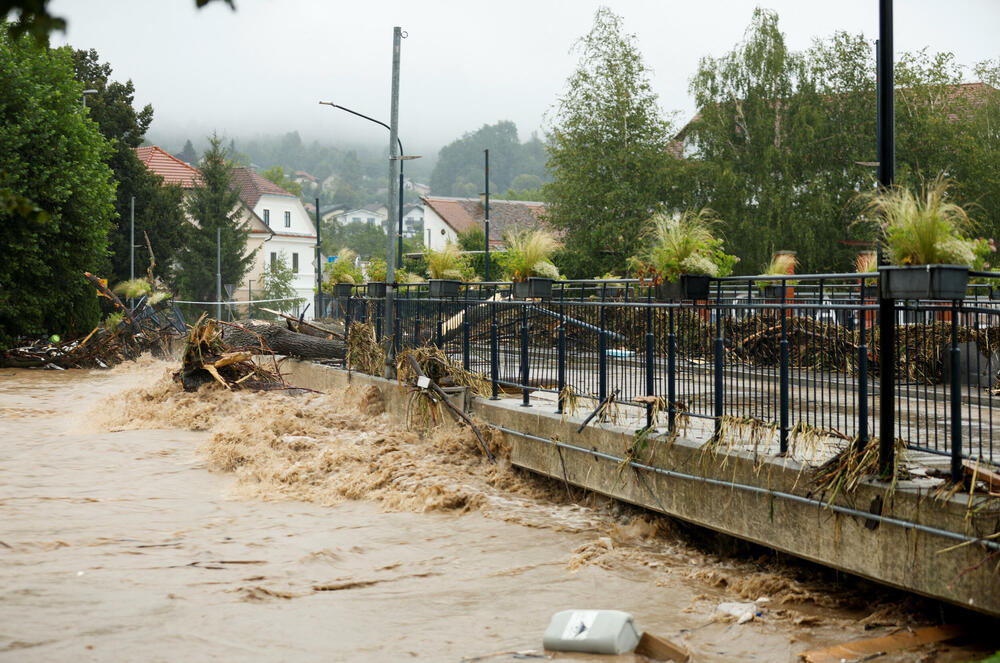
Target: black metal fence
788, 355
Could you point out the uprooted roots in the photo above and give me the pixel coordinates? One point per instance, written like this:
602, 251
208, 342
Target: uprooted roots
208, 358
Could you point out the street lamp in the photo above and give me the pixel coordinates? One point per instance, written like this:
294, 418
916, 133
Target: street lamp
402, 158
83, 96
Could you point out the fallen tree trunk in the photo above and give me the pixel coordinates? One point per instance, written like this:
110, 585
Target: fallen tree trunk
264, 337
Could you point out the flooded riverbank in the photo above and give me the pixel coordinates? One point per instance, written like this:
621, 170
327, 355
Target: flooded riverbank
142, 522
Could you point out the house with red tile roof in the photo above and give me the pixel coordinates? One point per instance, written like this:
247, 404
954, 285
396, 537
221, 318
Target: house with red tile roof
445, 218
169, 167
291, 232
277, 224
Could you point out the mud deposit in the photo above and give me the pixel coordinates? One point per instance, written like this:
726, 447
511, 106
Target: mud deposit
138, 522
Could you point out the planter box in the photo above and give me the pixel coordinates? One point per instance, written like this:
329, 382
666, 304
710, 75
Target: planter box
690, 286
375, 289
925, 282
343, 289
534, 288
776, 291
994, 294
696, 286
869, 291
444, 287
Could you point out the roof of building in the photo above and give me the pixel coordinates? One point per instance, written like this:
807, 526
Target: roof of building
169, 167
252, 186
304, 175
367, 210
464, 213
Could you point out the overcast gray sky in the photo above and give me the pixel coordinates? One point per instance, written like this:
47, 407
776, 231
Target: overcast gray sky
264, 67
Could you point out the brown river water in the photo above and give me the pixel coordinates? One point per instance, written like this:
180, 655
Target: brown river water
138, 522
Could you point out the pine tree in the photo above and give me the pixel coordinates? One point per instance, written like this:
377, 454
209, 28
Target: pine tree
608, 153
188, 154
213, 206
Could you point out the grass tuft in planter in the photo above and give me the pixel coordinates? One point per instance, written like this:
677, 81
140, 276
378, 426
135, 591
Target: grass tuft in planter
682, 254
924, 237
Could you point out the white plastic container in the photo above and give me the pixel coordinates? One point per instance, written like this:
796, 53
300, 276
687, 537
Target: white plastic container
592, 631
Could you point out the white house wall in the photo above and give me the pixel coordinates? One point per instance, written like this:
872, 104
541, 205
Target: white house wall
437, 233
297, 239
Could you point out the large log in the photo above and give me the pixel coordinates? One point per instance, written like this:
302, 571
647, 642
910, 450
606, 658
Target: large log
259, 336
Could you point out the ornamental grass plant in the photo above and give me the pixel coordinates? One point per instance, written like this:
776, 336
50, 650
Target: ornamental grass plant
684, 244
447, 263
529, 253
342, 270
922, 228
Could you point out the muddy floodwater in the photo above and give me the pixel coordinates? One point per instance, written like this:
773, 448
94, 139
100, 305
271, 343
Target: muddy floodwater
141, 523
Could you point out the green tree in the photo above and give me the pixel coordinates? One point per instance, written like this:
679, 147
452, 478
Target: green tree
214, 207
367, 240
459, 167
608, 154
158, 210
783, 142
188, 154
276, 283
756, 142
276, 174
56, 192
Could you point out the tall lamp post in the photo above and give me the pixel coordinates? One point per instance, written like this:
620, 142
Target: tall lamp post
83, 96
402, 157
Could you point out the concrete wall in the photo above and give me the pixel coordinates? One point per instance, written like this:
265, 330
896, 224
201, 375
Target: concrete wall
903, 558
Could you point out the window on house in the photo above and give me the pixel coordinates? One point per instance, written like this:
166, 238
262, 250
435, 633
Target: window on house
371, 220
356, 219
295, 262
274, 257
267, 219
288, 219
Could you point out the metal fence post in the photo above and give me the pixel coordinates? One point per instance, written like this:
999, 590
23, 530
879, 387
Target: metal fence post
602, 360
561, 370
718, 351
650, 367
466, 359
347, 317
956, 396
862, 440
416, 324
525, 372
671, 372
783, 378
494, 355
437, 330
397, 331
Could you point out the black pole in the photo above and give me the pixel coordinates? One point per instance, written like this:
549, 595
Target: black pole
487, 207
886, 174
318, 310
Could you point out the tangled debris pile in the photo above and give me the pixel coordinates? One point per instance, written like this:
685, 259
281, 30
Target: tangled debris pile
124, 336
208, 358
224, 352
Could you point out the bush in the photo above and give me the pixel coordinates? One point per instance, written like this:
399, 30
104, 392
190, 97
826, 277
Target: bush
56, 194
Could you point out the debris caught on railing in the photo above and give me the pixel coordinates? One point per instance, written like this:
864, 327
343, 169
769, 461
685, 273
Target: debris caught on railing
208, 358
124, 336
